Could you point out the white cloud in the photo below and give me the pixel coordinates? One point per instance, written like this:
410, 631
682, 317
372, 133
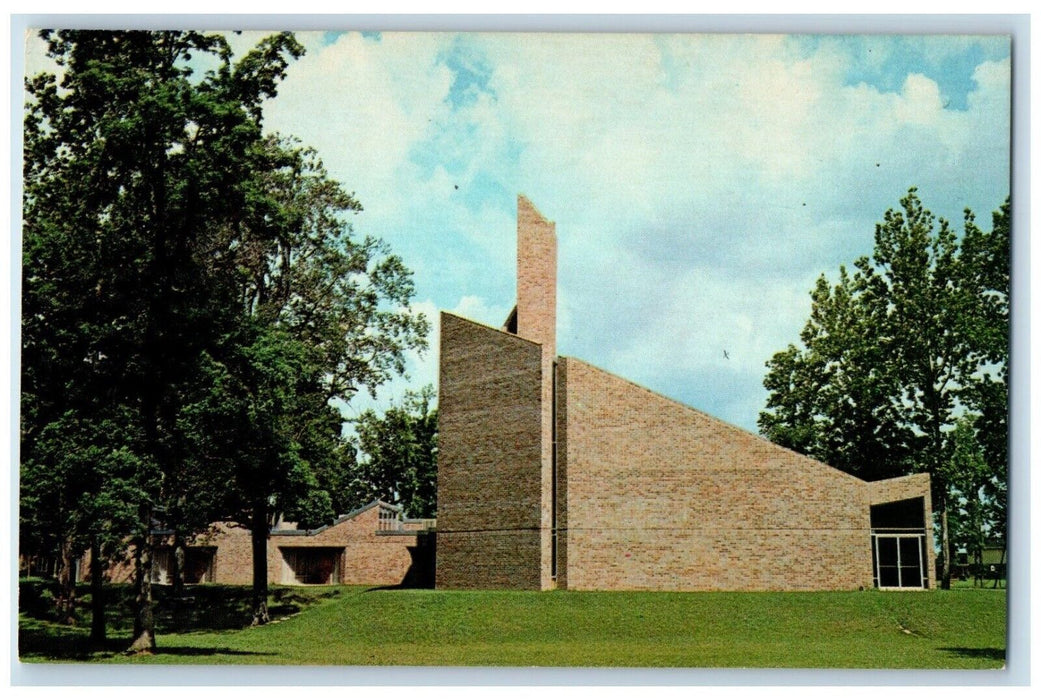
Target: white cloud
477, 309
363, 105
921, 103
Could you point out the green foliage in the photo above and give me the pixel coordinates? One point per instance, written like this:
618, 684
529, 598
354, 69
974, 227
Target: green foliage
322, 314
399, 456
833, 401
193, 297
895, 355
129, 167
132, 170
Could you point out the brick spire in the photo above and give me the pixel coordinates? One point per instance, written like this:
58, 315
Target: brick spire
536, 277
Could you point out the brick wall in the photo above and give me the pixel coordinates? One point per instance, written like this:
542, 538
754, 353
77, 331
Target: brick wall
536, 277
661, 496
537, 321
901, 488
649, 494
368, 556
489, 481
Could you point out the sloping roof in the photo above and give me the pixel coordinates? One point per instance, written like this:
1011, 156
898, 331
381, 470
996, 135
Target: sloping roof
341, 519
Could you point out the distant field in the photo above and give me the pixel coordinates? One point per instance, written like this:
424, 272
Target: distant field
963, 628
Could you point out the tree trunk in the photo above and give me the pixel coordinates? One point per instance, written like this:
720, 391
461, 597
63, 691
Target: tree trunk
144, 616
97, 594
177, 566
259, 532
177, 602
65, 603
945, 546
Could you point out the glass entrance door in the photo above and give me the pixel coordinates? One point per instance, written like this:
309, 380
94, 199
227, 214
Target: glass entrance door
899, 560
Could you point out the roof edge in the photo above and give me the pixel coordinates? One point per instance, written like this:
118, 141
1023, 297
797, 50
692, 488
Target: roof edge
340, 519
714, 419
491, 328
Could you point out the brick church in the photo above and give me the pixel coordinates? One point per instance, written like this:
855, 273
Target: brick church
556, 474
553, 473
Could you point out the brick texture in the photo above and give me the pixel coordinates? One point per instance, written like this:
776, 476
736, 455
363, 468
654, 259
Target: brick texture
536, 277
489, 486
661, 496
537, 321
367, 554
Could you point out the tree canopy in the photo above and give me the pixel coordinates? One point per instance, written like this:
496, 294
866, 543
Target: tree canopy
398, 456
902, 366
194, 300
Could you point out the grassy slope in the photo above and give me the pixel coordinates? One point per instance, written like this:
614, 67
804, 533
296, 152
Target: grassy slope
870, 629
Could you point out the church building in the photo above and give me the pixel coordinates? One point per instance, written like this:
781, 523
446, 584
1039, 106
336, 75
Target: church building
554, 473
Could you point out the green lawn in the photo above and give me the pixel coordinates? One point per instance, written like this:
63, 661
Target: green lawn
962, 628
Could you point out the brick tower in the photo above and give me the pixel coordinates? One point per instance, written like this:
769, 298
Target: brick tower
495, 462
536, 317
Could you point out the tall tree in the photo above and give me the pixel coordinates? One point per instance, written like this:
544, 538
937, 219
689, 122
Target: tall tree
322, 314
969, 475
134, 168
833, 400
985, 257
893, 355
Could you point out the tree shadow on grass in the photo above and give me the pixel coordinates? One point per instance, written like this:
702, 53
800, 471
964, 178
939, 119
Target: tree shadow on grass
64, 645
210, 651
55, 645
209, 607
991, 653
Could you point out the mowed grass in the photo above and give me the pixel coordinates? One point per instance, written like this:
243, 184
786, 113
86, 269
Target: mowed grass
869, 629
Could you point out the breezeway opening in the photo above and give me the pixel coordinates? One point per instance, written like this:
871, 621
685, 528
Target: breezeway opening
315, 566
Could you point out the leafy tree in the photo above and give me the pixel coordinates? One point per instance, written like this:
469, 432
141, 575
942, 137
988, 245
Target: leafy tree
985, 256
77, 484
969, 474
322, 314
895, 354
833, 400
134, 169
399, 462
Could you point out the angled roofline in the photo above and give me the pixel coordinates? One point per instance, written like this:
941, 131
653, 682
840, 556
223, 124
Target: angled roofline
714, 419
338, 521
492, 328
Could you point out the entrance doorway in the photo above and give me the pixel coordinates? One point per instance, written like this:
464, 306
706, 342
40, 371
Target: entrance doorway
899, 550
899, 560
311, 565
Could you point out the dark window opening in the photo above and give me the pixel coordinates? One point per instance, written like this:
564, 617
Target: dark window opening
899, 551
899, 515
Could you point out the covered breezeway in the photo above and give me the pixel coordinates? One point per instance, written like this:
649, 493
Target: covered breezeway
311, 565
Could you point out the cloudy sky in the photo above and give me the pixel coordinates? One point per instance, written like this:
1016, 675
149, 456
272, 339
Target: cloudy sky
699, 183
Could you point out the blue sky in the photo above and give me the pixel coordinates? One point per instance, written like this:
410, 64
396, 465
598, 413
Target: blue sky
699, 183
